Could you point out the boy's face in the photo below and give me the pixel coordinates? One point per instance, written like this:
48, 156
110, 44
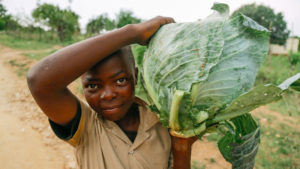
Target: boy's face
109, 87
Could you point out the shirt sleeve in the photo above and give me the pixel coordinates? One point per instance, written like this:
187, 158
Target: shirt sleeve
73, 131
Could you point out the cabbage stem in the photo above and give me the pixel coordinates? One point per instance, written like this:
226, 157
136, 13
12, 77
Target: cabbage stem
174, 122
195, 131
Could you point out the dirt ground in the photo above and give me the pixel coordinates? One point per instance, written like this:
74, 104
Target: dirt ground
26, 140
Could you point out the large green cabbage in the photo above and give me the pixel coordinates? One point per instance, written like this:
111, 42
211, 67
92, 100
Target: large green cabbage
200, 75
193, 71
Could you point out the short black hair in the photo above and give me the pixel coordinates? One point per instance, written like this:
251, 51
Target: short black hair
126, 52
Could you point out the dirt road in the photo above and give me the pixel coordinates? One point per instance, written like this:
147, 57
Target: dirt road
26, 140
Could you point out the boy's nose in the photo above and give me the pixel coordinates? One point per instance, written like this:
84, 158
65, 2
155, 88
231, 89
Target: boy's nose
107, 94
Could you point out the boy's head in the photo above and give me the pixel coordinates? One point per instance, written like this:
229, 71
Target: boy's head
109, 85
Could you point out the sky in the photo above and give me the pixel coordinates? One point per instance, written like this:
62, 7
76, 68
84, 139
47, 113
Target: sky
180, 10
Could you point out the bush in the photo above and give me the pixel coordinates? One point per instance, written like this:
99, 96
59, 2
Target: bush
295, 58
278, 68
2, 24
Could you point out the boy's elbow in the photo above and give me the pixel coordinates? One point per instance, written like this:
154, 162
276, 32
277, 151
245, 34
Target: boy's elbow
31, 78
34, 81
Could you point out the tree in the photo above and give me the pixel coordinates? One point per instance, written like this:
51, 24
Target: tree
126, 17
7, 21
2, 11
65, 22
266, 17
97, 25
2, 16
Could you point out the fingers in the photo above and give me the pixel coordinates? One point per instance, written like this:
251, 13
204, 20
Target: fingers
193, 139
165, 20
176, 134
170, 20
148, 28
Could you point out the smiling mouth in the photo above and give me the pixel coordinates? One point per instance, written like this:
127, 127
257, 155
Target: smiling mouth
111, 108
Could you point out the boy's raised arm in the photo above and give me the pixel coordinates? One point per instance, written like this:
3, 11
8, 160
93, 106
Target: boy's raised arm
49, 78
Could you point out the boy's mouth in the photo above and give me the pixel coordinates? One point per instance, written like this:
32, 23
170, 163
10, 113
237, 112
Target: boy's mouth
108, 108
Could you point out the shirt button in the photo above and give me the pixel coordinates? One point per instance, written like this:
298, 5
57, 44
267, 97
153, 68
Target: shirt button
131, 152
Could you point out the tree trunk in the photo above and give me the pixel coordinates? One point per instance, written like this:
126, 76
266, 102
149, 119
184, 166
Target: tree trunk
60, 31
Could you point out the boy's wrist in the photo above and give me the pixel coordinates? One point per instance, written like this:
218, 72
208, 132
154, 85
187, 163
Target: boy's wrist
181, 144
133, 33
181, 153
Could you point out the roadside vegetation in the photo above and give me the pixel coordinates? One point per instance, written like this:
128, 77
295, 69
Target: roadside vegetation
275, 70
24, 44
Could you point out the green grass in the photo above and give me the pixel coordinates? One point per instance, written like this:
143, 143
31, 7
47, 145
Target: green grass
289, 105
279, 148
21, 68
39, 55
197, 165
212, 160
10, 41
28, 41
277, 69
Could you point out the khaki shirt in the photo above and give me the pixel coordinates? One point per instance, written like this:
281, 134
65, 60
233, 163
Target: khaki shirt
101, 144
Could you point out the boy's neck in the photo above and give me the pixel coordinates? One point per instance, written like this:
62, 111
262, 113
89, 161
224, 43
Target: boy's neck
131, 120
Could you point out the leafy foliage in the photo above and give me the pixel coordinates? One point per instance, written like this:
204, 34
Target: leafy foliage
11, 24
2, 16
99, 24
2, 11
266, 17
2, 23
269, 72
125, 17
295, 58
65, 22
240, 145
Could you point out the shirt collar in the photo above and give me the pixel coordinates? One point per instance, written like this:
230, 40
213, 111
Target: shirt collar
147, 118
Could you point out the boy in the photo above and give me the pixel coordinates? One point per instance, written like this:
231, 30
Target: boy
117, 131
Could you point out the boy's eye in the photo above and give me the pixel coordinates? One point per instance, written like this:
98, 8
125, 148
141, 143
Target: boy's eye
92, 86
121, 81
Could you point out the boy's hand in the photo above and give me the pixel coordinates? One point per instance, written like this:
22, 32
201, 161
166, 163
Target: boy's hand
181, 148
181, 143
148, 28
